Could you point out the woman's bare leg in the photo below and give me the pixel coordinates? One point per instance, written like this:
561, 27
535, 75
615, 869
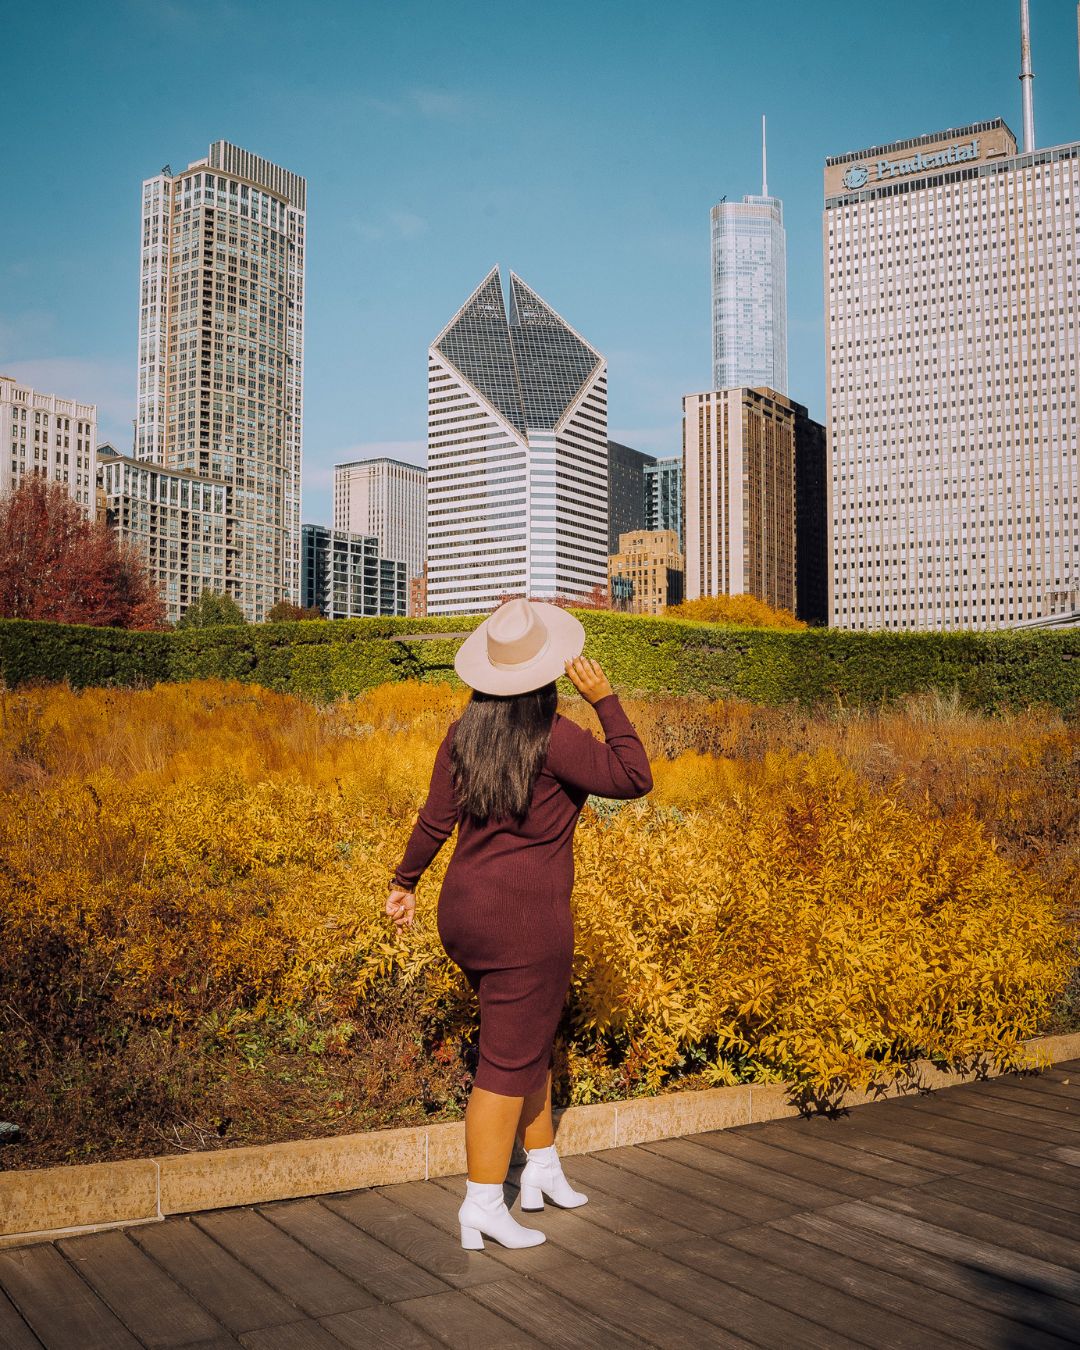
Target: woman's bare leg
535, 1128
490, 1122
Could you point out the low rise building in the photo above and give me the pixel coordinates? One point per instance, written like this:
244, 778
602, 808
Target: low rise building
176, 519
344, 575
647, 574
55, 438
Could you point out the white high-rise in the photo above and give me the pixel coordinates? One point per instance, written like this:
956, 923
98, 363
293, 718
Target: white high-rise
385, 498
55, 438
517, 455
749, 292
221, 347
953, 365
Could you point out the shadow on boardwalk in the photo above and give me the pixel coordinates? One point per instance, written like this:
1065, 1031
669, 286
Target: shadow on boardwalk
949, 1219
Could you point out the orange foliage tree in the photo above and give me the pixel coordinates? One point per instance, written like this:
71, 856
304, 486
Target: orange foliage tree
746, 611
55, 564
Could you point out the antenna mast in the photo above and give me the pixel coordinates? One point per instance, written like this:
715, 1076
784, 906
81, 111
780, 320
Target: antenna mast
764, 161
1026, 77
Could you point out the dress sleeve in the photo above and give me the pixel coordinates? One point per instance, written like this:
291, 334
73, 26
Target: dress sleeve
434, 823
614, 767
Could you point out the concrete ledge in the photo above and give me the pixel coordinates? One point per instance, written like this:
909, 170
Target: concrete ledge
43, 1204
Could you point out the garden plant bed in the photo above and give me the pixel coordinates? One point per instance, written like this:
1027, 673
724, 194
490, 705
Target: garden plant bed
193, 955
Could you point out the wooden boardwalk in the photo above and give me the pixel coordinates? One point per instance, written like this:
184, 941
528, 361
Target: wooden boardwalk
944, 1220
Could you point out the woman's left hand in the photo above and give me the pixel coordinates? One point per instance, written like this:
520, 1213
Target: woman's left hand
401, 906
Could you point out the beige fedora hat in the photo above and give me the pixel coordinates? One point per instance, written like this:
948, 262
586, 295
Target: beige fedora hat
524, 644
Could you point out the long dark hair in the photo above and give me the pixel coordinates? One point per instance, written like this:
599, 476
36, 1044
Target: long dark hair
498, 750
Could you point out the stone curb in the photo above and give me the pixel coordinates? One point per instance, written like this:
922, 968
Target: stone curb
39, 1205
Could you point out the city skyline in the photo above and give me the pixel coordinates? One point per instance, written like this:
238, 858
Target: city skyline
386, 263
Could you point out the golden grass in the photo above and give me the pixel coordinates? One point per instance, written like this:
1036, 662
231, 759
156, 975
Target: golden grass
193, 878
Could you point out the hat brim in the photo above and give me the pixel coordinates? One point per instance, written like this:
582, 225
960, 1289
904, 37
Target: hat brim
566, 638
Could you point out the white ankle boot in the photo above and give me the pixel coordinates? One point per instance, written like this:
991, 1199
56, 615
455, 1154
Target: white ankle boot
483, 1212
543, 1175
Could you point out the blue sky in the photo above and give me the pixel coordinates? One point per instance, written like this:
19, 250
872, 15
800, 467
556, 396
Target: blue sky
580, 145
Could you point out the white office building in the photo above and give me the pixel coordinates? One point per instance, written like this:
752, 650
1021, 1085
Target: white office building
386, 498
953, 362
517, 455
53, 437
221, 349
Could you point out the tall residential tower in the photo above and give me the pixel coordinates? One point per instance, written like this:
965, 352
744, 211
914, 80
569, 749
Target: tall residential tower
749, 291
221, 344
517, 455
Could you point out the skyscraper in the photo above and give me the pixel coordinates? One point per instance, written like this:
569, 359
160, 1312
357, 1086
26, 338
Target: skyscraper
664, 496
628, 491
386, 498
740, 450
517, 455
749, 291
55, 438
221, 342
347, 576
953, 365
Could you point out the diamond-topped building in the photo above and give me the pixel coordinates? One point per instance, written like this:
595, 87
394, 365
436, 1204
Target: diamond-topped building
517, 455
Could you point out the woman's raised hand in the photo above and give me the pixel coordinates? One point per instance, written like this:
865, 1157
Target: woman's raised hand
588, 679
401, 906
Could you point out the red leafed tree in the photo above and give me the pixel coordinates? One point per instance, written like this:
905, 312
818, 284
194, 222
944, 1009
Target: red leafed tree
55, 564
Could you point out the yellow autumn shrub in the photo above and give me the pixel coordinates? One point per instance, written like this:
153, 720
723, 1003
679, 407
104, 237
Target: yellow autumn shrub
214, 855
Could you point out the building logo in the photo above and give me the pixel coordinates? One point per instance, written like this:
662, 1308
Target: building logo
859, 175
856, 177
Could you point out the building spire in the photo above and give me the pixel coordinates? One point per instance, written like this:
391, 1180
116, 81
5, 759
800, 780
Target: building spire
764, 161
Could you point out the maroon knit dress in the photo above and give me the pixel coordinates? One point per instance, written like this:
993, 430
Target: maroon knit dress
504, 908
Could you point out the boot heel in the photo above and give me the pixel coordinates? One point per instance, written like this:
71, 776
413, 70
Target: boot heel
532, 1198
472, 1239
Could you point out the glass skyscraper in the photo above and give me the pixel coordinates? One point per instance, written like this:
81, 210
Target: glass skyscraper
749, 294
517, 455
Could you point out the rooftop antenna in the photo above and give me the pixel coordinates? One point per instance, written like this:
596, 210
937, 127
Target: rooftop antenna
764, 161
1026, 77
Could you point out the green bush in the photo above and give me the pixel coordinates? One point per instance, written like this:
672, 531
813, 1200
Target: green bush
990, 671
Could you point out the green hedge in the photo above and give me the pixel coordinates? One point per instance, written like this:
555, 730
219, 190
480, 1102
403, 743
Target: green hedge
991, 670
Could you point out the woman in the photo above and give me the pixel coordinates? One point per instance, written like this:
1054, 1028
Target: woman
513, 776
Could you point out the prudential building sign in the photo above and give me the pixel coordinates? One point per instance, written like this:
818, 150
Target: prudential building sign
859, 175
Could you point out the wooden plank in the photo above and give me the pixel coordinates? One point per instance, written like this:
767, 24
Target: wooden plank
151, 1305
944, 1136
791, 1135
1071, 1156
677, 1176
994, 1127
228, 1289
756, 1179
844, 1134
976, 1253
594, 1175
379, 1269
952, 1293
376, 1327
740, 1312
455, 1319
60, 1309
550, 1317
653, 1320
832, 1183
989, 1200
314, 1285
839, 1293
14, 1333
305, 1335
976, 1223
1017, 1106
611, 1213
419, 1242
439, 1207
1035, 1180
1030, 1092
